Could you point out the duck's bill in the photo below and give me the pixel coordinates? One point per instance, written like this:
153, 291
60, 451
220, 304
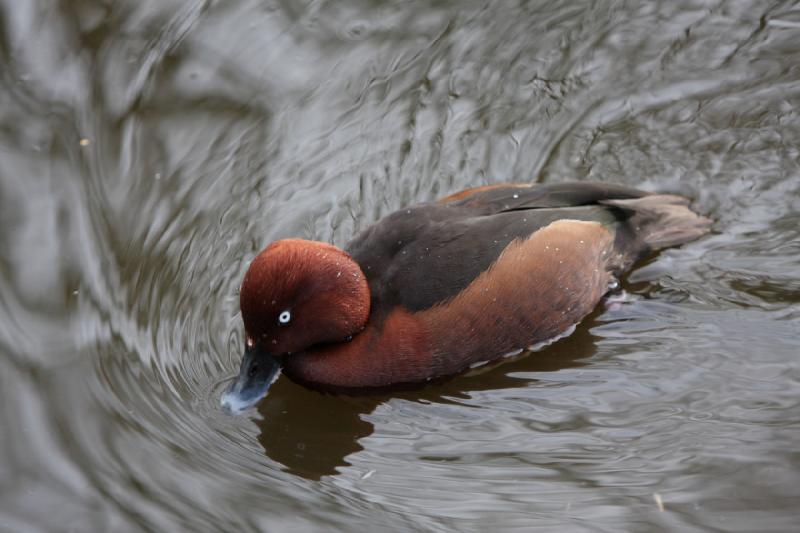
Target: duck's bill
258, 371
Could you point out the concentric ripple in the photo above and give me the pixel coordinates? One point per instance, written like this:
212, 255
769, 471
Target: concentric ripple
149, 150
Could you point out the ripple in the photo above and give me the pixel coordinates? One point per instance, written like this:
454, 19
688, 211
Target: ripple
214, 128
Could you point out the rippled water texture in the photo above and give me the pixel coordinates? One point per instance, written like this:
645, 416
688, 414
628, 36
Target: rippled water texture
148, 149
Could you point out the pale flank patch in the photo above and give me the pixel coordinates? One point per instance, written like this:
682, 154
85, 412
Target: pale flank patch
540, 345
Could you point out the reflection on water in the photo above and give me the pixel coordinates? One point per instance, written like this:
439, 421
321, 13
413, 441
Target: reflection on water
149, 149
312, 434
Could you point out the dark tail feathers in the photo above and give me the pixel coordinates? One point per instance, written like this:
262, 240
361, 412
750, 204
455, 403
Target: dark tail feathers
663, 220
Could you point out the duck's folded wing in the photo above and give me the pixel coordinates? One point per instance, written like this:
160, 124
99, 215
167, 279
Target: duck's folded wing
445, 256
511, 197
421, 257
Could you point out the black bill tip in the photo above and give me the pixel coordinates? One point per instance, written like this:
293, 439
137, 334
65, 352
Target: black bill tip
258, 371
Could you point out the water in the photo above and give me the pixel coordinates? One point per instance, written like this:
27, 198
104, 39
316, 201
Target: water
149, 149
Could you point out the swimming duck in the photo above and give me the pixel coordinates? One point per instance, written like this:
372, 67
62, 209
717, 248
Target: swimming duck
433, 290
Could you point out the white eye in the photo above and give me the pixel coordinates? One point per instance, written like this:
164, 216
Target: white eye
285, 317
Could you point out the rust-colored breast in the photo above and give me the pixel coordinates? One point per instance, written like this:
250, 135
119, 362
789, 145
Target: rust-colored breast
537, 289
395, 351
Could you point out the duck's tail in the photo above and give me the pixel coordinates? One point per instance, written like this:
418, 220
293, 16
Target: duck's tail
662, 220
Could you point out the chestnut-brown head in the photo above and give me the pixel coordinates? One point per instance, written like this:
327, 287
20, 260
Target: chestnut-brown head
296, 294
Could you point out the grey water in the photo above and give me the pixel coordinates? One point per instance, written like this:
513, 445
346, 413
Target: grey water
148, 149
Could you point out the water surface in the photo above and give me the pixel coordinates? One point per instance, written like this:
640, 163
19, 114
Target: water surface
149, 149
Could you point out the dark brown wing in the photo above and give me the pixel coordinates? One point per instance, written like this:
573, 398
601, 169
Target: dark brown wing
425, 255
498, 198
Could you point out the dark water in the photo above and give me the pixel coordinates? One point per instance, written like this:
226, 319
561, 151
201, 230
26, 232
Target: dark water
149, 149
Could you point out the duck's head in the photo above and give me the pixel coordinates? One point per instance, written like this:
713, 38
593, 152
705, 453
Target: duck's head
296, 294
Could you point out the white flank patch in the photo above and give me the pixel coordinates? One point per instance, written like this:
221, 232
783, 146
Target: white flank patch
566, 333
512, 353
480, 366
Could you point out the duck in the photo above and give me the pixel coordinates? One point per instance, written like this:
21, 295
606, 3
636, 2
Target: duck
436, 289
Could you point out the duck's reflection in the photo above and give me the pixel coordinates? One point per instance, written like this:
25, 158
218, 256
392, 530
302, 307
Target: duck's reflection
312, 434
